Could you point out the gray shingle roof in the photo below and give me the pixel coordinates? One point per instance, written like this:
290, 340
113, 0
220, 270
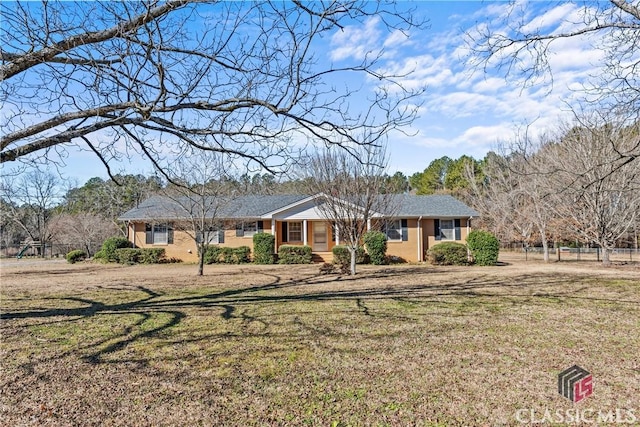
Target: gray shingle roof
255, 206
435, 206
249, 207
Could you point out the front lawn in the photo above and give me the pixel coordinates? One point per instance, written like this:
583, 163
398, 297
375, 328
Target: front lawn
88, 344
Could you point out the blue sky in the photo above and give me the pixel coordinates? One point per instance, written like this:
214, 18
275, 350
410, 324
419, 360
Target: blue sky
465, 110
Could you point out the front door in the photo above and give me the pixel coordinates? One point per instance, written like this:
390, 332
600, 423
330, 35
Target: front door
320, 237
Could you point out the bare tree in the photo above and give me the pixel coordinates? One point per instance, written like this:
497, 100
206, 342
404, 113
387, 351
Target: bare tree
28, 201
524, 47
352, 192
494, 197
152, 78
84, 230
595, 192
197, 198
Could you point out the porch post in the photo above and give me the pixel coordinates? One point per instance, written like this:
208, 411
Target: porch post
304, 231
368, 224
337, 235
419, 239
275, 235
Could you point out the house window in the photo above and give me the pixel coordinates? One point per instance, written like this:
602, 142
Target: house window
211, 237
393, 230
158, 234
295, 232
250, 228
247, 229
447, 229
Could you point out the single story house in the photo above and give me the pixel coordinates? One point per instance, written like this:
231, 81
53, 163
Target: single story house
419, 222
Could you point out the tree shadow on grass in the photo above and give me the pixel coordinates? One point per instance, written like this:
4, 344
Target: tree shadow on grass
153, 305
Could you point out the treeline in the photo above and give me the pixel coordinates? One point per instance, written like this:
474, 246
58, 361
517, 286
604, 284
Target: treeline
579, 184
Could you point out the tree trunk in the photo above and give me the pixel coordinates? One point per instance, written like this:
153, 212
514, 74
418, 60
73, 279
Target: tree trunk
200, 260
545, 247
353, 261
605, 256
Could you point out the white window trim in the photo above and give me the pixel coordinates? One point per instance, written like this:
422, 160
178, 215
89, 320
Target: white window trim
249, 233
289, 238
397, 222
453, 230
213, 236
165, 233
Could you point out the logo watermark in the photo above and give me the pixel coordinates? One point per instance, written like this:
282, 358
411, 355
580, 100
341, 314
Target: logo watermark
577, 416
575, 383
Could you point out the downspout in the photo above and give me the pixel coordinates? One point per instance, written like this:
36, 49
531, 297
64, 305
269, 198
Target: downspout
419, 240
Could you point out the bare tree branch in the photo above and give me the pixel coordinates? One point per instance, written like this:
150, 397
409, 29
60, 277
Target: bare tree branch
244, 79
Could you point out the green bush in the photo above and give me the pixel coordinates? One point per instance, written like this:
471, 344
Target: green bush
130, 256
109, 247
75, 256
484, 247
376, 244
292, 254
224, 255
264, 248
448, 253
151, 256
342, 256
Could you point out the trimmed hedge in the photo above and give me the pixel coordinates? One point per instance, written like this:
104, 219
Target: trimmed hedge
342, 256
264, 248
484, 247
132, 256
109, 247
376, 244
448, 253
75, 256
293, 254
224, 255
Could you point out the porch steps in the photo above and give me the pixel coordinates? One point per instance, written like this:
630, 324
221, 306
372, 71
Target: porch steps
322, 257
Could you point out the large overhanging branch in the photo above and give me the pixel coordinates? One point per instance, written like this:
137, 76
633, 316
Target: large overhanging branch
16, 64
248, 74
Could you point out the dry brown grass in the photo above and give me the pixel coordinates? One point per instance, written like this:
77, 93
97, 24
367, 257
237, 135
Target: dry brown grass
90, 344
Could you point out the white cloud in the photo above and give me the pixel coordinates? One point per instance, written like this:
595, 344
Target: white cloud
550, 18
355, 42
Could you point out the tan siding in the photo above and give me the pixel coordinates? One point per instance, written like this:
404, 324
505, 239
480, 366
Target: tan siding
430, 229
407, 250
184, 247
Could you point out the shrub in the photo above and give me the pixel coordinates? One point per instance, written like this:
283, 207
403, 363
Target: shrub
212, 254
376, 244
264, 248
127, 256
132, 256
75, 256
291, 254
448, 253
241, 255
108, 251
484, 247
151, 255
224, 255
342, 256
